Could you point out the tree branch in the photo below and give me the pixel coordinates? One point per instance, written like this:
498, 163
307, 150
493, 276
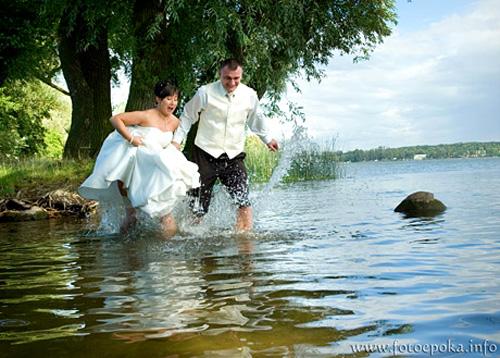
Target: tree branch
53, 85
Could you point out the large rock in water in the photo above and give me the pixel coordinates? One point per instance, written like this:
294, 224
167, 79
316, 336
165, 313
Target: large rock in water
420, 203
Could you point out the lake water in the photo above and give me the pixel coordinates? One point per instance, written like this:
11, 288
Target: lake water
330, 270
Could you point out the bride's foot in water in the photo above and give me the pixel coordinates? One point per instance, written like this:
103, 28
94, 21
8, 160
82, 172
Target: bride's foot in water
130, 220
169, 226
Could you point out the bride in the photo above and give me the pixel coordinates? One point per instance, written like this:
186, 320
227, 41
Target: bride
138, 164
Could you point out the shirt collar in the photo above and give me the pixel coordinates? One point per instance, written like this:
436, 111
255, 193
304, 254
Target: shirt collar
225, 93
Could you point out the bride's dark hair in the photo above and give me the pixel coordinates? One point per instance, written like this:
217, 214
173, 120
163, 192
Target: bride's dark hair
166, 88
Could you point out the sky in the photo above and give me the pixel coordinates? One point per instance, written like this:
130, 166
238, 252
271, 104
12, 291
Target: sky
435, 80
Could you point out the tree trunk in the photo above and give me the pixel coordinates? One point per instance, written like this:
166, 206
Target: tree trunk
151, 56
87, 73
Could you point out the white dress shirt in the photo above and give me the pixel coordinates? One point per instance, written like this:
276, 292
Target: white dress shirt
223, 119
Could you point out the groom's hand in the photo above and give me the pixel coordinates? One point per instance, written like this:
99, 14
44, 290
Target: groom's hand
273, 145
177, 145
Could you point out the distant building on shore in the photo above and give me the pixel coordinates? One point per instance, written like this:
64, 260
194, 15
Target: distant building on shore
419, 156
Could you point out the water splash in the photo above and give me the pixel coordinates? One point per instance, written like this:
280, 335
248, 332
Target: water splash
298, 143
222, 214
111, 217
220, 217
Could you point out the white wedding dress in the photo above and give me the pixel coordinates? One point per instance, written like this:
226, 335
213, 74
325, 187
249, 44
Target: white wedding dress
155, 174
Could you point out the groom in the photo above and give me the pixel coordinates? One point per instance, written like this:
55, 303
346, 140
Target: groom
223, 109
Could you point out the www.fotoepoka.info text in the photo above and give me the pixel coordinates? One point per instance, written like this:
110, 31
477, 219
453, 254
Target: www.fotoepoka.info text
476, 347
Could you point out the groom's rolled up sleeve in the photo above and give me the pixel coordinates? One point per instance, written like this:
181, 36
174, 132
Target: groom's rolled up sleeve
259, 124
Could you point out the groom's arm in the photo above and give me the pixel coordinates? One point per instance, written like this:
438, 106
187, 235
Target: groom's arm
258, 124
189, 116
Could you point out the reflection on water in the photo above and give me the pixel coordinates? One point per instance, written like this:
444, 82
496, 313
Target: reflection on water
329, 265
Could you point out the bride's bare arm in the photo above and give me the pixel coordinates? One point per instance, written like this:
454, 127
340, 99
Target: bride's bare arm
121, 121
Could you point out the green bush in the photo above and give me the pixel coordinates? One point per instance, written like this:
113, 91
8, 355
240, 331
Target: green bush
54, 144
26, 108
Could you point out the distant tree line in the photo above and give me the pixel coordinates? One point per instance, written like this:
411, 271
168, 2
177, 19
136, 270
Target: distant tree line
441, 151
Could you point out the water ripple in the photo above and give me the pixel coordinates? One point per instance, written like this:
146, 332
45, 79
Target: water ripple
329, 264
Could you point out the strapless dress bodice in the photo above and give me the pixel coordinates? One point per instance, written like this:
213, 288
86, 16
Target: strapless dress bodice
153, 136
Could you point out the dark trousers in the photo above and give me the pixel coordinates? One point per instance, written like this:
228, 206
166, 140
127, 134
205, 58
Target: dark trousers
231, 173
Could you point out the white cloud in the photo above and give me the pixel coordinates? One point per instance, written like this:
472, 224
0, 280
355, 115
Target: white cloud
440, 84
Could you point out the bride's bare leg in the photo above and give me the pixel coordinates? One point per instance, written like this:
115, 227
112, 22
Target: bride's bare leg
130, 214
130, 220
169, 225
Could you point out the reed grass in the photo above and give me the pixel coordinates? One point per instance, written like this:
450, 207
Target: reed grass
316, 162
260, 161
313, 165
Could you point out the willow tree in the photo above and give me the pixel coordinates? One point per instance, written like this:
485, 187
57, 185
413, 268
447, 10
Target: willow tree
165, 46
186, 39
274, 40
45, 37
27, 43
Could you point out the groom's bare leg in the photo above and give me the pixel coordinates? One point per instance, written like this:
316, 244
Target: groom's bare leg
244, 219
169, 225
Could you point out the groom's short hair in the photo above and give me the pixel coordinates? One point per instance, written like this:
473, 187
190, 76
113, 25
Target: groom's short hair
230, 63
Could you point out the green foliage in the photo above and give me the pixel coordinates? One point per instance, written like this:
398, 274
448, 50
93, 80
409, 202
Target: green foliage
28, 47
185, 39
24, 109
11, 142
57, 126
260, 162
276, 40
441, 151
315, 163
54, 145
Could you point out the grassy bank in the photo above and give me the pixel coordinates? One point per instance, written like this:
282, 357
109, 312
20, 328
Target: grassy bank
32, 178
